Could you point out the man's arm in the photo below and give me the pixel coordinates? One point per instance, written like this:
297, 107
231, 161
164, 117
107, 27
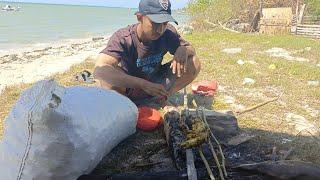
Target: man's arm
106, 70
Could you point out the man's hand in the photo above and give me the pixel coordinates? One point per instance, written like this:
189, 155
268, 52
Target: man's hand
179, 63
154, 89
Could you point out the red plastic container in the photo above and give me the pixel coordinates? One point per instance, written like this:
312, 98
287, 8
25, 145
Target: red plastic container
205, 88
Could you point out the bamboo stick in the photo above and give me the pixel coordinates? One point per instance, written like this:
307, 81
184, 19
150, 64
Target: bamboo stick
216, 159
257, 106
223, 159
206, 164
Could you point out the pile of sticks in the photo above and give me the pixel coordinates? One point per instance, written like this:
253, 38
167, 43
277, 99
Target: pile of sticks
187, 133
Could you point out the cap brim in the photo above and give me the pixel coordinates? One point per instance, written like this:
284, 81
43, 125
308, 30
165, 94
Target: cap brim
161, 18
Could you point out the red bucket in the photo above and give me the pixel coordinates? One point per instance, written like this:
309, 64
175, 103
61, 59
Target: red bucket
205, 88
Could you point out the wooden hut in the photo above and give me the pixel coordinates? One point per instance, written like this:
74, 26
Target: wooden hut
276, 20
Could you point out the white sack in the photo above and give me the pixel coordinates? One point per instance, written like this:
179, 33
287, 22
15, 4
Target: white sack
61, 133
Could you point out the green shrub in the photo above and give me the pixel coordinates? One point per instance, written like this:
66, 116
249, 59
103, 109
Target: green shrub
216, 11
213, 10
313, 7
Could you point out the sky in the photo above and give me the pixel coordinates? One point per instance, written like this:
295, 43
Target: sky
110, 3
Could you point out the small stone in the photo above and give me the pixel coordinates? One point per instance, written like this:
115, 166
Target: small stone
300, 123
97, 38
313, 112
232, 50
248, 81
285, 140
314, 83
240, 62
229, 100
252, 62
235, 155
282, 53
308, 48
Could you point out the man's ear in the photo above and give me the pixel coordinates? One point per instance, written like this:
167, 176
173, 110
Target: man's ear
139, 16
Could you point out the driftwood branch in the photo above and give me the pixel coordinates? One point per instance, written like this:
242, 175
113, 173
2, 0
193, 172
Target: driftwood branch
228, 29
211, 23
257, 106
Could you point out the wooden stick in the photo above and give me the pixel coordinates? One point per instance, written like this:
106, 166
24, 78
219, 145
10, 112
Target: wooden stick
206, 164
228, 29
223, 159
274, 154
210, 23
216, 159
301, 14
148, 164
257, 106
191, 170
297, 17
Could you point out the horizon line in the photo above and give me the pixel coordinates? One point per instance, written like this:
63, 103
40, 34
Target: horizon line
67, 4
76, 5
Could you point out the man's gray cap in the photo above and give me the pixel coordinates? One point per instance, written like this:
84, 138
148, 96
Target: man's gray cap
159, 11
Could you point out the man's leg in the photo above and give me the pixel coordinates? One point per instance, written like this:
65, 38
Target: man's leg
138, 96
193, 69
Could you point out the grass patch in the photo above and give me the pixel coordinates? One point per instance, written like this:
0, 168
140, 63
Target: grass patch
289, 79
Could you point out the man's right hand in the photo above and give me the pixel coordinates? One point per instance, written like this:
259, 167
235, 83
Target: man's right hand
154, 89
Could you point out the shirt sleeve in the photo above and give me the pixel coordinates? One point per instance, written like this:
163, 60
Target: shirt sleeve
115, 46
174, 40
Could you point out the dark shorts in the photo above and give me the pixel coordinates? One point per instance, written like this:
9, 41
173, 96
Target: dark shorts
163, 75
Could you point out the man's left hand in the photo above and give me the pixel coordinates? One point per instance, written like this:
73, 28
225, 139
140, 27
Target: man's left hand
179, 63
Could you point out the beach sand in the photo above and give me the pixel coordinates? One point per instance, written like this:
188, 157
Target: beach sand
34, 64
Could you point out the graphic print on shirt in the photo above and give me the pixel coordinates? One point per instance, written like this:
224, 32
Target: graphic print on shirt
148, 64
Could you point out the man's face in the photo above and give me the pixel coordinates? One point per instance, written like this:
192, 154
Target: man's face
152, 31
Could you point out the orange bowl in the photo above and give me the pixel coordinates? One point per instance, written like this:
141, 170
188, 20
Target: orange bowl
149, 119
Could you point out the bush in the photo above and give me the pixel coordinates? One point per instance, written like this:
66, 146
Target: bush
213, 10
313, 7
224, 10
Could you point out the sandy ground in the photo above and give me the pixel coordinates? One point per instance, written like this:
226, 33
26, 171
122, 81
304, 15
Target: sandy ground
34, 64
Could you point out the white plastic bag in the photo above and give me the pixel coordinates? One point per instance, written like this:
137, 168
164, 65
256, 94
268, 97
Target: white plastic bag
61, 133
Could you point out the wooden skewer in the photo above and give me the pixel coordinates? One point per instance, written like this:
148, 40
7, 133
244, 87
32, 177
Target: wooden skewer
206, 164
223, 159
216, 159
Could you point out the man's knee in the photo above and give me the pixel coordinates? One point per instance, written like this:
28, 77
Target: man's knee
194, 66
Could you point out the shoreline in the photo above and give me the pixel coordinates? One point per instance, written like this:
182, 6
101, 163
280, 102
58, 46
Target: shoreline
41, 60
31, 64
16, 48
